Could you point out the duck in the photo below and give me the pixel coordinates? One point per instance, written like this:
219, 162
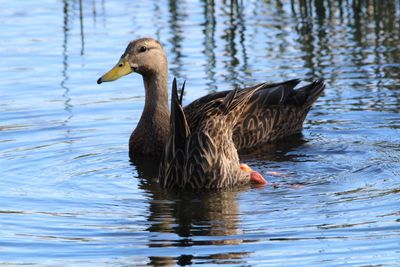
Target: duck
273, 112
200, 154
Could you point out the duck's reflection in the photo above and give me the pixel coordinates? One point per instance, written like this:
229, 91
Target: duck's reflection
196, 218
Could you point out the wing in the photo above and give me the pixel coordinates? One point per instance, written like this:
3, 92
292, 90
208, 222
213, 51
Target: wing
274, 111
206, 156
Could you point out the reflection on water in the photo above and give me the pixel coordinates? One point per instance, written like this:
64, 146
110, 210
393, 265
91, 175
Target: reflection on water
81, 27
201, 219
209, 43
176, 38
65, 77
70, 196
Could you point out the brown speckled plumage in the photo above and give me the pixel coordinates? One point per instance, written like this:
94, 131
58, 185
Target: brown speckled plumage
273, 112
200, 153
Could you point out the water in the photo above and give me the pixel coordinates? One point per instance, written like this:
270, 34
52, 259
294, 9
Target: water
70, 196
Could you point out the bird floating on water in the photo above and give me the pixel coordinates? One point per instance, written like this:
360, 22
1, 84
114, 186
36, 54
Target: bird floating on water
273, 111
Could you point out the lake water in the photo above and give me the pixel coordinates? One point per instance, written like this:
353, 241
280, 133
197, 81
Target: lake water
70, 196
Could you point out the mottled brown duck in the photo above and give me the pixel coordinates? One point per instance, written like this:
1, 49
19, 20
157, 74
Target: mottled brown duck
200, 153
273, 112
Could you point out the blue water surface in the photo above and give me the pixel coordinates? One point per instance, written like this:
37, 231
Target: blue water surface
70, 196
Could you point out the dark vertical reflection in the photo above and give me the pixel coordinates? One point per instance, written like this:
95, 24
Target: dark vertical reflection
305, 28
158, 18
358, 56
94, 8
103, 12
242, 38
323, 56
67, 104
229, 36
94, 11
209, 43
236, 62
358, 38
176, 40
81, 27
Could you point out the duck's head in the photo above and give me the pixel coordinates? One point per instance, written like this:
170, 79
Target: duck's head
254, 177
144, 56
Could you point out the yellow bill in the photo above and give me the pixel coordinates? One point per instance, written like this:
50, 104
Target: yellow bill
121, 69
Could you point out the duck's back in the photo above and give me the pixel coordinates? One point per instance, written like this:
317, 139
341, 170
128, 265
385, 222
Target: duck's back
274, 112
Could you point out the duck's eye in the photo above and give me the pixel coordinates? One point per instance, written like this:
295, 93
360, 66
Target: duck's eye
120, 65
142, 49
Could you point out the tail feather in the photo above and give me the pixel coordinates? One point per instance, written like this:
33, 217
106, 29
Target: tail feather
173, 156
178, 125
315, 92
276, 93
307, 95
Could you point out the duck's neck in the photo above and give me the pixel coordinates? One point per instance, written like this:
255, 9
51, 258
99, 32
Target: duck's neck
151, 133
156, 97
